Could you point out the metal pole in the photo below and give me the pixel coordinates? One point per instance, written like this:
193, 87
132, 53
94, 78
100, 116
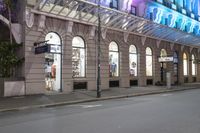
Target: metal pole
98, 52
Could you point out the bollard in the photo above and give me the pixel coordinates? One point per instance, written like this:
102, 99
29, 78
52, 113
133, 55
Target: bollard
168, 80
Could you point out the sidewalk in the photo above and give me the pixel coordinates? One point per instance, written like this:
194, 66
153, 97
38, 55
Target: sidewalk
80, 96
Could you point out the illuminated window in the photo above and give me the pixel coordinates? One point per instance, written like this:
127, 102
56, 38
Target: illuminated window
175, 57
114, 4
113, 60
184, 11
53, 62
132, 60
194, 66
185, 64
163, 53
78, 57
175, 67
174, 7
192, 15
133, 10
149, 61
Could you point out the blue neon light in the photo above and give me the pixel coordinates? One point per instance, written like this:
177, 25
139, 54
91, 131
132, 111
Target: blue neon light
183, 11
164, 15
174, 7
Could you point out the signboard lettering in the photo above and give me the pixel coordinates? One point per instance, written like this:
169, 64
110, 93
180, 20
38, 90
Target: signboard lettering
165, 59
47, 48
41, 49
55, 49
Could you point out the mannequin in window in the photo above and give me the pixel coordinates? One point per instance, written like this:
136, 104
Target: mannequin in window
48, 75
110, 63
113, 68
53, 71
48, 70
132, 70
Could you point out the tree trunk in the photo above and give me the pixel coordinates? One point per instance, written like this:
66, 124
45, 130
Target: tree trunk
10, 22
11, 39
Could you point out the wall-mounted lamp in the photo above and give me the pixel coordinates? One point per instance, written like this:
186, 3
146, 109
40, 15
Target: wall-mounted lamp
39, 43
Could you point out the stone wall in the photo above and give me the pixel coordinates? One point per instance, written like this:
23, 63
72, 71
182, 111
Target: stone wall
34, 64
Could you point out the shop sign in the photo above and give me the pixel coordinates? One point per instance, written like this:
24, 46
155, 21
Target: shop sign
55, 49
48, 49
165, 59
42, 49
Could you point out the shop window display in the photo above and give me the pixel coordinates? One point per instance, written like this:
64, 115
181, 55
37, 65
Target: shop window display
113, 60
53, 62
175, 57
185, 64
175, 67
194, 68
78, 57
149, 61
132, 60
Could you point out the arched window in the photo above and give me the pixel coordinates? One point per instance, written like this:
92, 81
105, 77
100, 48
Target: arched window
185, 64
194, 66
175, 57
175, 63
53, 62
113, 60
53, 38
149, 62
132, 60
163, 53
163, 64
78, 57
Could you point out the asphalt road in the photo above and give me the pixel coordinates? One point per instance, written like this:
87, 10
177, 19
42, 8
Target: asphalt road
165, 113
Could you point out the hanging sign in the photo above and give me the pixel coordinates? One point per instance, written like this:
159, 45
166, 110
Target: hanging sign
55, 49
165, 59
42, 49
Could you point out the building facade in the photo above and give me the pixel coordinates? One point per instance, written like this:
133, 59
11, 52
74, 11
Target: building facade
141, 41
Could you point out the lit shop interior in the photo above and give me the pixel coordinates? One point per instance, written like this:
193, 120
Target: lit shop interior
53, 63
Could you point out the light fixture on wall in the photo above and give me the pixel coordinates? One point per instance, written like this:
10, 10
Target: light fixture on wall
40, 43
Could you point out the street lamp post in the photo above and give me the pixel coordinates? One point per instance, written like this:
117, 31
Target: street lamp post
98, 53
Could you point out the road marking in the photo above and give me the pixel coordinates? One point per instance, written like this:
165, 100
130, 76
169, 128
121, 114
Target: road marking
87, 106
91, 106
165, 95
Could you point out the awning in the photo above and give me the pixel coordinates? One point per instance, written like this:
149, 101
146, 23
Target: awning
87, 12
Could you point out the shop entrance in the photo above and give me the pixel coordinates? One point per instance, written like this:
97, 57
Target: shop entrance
175, 68
163, 66
163, 69
53, 63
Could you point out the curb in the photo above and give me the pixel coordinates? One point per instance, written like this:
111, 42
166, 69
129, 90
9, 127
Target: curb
92, 100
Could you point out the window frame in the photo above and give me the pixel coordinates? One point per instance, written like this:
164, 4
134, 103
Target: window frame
85, 56
187, 68
133, 53
149, 55
194, 66
118, 58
